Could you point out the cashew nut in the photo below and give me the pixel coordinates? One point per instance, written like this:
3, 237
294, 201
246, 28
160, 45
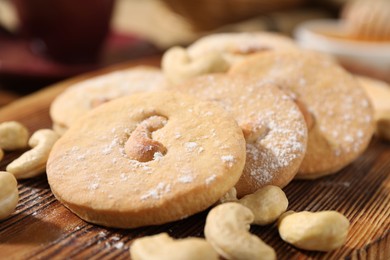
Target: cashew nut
267, 204
9, 194
13, 135
252, 132
227, 230
318, 231
140, 146
179, 66
163, 247
1, 154
230, 196
33, 162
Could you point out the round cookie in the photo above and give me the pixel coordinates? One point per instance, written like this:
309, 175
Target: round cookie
236, 46
338, 112
85, 95
198, 154
274, 128
217, 52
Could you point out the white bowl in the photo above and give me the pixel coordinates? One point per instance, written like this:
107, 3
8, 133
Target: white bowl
362, 57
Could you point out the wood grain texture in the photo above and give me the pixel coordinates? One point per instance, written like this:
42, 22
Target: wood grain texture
41, 228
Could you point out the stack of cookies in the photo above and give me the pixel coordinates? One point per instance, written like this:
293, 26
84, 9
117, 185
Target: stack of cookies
145, 146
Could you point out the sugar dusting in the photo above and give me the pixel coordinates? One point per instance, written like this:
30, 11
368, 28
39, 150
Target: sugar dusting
157, 156
186, 179
210, 179
157, 193
190, 146
228, 159
274, 151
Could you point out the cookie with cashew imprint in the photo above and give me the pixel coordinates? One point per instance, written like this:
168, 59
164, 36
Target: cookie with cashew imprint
163, 247
33, 162
9, 194
339, 113
83, 96
274, 128
227, 230
13, 136
217, 52
179, 66
317, 231
379, 94
146, 159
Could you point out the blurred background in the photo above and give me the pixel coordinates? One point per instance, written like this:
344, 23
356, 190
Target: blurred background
170, 22
29, 59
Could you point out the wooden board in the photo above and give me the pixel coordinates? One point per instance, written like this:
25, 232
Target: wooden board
42, 228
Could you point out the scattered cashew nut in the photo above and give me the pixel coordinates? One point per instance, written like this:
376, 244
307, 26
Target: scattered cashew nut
33, 162
266, 204
230, 196
179, 66
140, 146
1, 154
13, 136
163, 247
227, 230
9, 194
318, 231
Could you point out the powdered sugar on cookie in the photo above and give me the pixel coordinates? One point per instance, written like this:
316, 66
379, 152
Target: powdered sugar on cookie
273, 126
91, 171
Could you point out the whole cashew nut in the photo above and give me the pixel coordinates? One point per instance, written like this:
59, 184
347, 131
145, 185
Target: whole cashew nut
33, 162
179, 66
140, 146
9, 194
1, 154
13, 136
227, 230
163, 247
318, 231
267, 204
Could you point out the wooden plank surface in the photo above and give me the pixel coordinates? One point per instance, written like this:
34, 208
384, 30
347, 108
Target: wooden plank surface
41, 228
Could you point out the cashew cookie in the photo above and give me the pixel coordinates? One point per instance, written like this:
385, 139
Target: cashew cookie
273, 126
237, 46
338, 112
102, 168
33, 162
217, 52
83, 96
